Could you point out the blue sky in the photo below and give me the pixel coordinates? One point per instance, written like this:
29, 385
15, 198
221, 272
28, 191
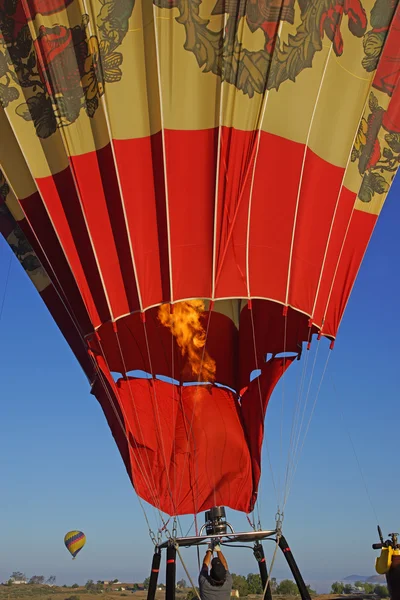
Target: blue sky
60, 468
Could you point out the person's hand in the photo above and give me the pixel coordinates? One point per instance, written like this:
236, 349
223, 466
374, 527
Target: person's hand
210, 547
216, 545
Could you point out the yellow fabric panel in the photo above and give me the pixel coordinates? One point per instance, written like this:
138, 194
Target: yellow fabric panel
12, 161
160, 67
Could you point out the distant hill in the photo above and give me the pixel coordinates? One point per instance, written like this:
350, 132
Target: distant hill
376, 579
364, 579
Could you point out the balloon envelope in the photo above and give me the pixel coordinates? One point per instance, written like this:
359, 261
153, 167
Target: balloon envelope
74, 542
227, 159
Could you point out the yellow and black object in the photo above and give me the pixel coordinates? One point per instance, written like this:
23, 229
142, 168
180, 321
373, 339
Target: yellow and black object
388, 563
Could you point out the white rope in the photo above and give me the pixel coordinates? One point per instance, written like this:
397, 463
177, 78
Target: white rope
150, 470
364, 481
155, 404
296, 415
310, 381
64, 301
302, 174
262, 409
282, 405
278, 536
186, 571
308, 424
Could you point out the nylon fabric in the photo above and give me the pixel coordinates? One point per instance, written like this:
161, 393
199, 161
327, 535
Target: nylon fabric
228, 156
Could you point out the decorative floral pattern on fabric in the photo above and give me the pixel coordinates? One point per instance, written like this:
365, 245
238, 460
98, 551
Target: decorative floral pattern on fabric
377, 146
16, 237
377, 159
64, 70
224, 54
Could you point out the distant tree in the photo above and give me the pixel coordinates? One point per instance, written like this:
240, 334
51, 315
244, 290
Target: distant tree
146, 583
37, 580
18, 576
359, 584
311, 591
254, 583
240, 584
181, 583
347, 588
116, 580
274, 584
90, 585
191, 595
287, 588
337, 587
381, 591
51, 580
368, 588
75, 585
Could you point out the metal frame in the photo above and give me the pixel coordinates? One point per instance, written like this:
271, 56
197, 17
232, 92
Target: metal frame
245, 536
227, 538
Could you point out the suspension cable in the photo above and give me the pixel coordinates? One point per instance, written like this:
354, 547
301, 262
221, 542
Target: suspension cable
261, 403
308, 424
186, 571
363, 479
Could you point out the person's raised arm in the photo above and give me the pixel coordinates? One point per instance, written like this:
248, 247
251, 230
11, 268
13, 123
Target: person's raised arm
207, 558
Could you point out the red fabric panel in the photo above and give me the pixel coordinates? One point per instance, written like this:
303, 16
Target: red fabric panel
92, 196
272, 215
190, 447
222, 343
235, 175
188, 451
342, 219
115, 207
359, 233
320, 188
191, 221
142, 181
47, 247
191, 167
60, 199
274, 333
254, 404
387, 76
43, 7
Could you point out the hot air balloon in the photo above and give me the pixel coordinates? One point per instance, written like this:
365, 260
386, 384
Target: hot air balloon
191, 185
74, 542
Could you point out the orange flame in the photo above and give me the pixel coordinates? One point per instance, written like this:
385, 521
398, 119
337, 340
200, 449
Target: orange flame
184, 322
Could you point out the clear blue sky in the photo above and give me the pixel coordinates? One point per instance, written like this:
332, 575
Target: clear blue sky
60, 469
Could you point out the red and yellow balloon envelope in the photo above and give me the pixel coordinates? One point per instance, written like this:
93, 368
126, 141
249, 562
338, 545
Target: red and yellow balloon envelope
191, 186
74, 542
